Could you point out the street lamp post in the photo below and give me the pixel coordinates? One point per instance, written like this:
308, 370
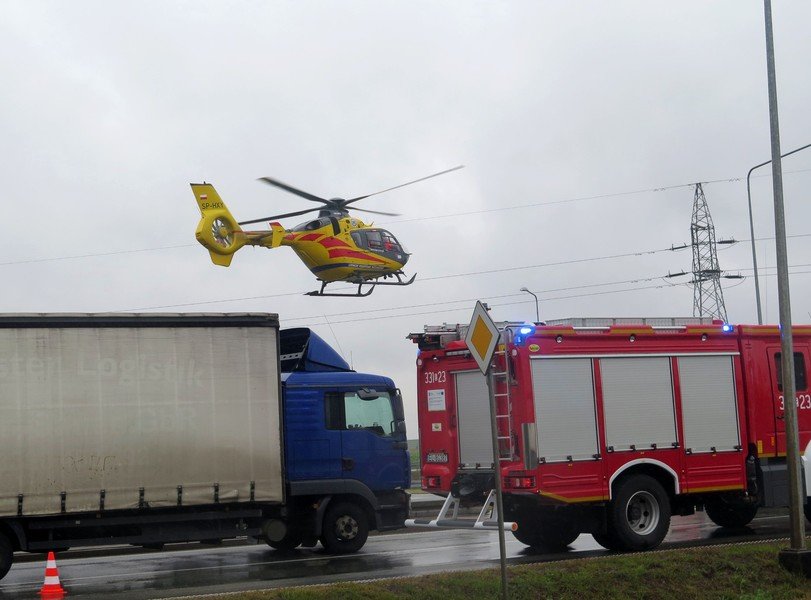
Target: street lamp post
797, 558
752, 228
537, 312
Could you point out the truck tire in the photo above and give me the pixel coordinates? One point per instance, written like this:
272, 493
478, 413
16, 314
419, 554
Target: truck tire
290, 541
6, 555
547, 535
345, 528
730, 513
639, 514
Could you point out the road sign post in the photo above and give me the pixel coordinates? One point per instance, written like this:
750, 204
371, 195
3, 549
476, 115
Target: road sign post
482, 339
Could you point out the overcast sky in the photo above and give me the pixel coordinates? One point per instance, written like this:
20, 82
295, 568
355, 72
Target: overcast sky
569, 116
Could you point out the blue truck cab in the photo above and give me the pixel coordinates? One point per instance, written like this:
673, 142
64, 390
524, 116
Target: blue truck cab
346, 453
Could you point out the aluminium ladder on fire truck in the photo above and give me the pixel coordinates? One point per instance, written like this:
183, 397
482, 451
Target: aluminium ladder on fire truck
448, 516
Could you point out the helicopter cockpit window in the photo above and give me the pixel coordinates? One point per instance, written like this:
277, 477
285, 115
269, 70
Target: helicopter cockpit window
374, 240
377, 240
389, 242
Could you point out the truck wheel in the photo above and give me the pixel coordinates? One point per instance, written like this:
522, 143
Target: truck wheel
345, 528
290, 541
6, 555
639, 514
733, 514
548, 535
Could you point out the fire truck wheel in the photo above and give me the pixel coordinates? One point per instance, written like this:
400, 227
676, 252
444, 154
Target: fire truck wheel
6, 555
639, 514
605, 540
345, 528
730, 513
547, 535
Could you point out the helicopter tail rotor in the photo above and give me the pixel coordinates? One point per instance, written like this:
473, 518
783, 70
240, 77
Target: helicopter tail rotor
217, 230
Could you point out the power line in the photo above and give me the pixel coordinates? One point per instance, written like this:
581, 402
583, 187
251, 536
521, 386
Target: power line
472, 212
547, 299
437, 277
581, 198
423, 279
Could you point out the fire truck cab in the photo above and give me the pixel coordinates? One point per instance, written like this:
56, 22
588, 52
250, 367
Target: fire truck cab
610, 426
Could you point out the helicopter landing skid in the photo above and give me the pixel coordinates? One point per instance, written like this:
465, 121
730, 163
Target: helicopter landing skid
360, 293
399, 281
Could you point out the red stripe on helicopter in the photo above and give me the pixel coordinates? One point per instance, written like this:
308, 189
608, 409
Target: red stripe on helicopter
332, 242
310, 237
340, 252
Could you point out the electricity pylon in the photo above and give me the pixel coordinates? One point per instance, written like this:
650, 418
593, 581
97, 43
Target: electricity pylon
708, 297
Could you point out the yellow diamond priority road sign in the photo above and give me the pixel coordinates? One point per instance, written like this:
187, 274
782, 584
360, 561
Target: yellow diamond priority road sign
482, 337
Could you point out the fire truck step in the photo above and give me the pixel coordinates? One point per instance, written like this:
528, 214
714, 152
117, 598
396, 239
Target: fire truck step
460, 524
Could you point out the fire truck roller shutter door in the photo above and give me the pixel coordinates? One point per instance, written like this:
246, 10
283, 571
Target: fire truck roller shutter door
564, 408
708, 401
473, 415
638, 402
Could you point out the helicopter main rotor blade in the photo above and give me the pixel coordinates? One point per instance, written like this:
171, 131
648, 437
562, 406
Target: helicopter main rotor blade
376, 212
290, 214
292, 190
403, 185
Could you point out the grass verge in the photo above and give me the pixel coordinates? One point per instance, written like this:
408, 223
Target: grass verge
747, 572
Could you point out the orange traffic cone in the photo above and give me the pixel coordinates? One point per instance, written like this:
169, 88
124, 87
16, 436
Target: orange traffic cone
51, 589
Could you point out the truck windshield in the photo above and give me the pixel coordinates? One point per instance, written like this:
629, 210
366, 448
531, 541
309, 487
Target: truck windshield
347, 410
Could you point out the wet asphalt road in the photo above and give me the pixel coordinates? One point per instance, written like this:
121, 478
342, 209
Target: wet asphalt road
130, 573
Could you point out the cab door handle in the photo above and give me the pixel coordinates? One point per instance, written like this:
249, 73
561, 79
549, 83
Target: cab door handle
347, 464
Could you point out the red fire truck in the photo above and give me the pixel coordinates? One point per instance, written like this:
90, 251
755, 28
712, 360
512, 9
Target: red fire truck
610, 426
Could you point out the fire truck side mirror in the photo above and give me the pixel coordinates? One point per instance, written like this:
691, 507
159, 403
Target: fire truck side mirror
529, 436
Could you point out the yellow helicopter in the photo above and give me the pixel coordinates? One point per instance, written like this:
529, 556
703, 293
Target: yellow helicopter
335, 246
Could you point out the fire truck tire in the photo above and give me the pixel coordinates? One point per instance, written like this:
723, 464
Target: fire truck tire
726, 513
547, 535
6, 555
605, 540
345, 528
639, 514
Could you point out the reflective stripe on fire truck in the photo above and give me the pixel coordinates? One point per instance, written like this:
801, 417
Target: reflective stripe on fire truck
638, 461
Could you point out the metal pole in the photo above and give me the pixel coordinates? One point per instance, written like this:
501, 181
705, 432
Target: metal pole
789, 393
752, 228
752, 236
502, 547
537, 312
